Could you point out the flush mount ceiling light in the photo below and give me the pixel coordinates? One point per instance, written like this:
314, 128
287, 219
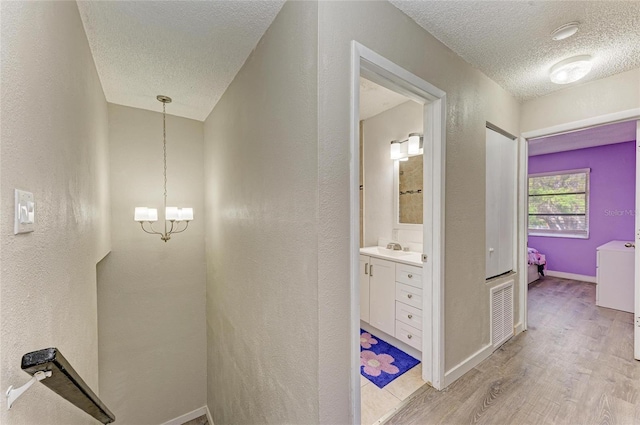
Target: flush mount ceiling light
175, 216
565, 31
570, 70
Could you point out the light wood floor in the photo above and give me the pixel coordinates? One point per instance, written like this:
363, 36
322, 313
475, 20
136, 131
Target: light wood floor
573, 366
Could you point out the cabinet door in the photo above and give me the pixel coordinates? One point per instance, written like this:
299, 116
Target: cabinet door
382, 292
364, 288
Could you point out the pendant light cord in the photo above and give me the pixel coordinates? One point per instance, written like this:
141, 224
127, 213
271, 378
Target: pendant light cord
164, 147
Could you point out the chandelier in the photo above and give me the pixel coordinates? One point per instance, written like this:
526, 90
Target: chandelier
176, 220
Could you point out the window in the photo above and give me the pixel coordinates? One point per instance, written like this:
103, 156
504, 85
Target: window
559, 204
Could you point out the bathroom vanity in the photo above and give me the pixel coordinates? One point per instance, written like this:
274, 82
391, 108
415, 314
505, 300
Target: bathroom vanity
391, 293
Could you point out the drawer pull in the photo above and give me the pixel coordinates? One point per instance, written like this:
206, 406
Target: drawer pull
409, 336
410, 316
409, 296
410, 275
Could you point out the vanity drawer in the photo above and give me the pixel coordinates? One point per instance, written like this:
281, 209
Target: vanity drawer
410, 275
409, 335
409, 295
409, 315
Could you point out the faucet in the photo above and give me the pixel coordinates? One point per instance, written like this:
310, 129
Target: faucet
395, 246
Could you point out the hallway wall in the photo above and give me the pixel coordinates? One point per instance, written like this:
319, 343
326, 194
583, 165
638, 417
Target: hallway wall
617, 93
151, 294
472, 100
261, 238
54, 144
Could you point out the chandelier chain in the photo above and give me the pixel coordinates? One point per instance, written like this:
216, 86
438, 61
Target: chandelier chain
164, 147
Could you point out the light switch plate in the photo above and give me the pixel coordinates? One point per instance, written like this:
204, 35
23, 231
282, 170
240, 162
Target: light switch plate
25, 212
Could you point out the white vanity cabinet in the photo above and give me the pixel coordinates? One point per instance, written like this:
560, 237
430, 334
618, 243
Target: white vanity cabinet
382, 288
391, 298
365, 262
408, 327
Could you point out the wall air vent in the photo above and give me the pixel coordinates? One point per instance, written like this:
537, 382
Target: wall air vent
501, 313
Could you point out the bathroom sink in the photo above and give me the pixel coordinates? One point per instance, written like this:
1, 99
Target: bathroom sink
384, 251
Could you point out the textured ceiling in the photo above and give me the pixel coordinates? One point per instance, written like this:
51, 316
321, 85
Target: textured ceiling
375, 99
187, 50
588, 138
510, 40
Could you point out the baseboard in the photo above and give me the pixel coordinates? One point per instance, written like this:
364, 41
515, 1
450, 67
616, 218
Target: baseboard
518, 328
563, 275
204, 410
467, 364
209, 418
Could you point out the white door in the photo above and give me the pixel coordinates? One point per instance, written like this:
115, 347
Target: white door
382, 292
500, 202
364, 288
636, 333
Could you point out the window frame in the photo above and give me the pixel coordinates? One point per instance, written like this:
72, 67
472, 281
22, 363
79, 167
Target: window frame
563, 233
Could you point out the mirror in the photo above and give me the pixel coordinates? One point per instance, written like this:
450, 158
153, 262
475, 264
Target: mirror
410, 190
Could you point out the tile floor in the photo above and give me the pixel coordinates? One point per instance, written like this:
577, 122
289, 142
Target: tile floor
376, 403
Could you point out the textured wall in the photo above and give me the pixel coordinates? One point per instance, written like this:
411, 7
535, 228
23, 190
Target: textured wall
612, 94
54, 144
151, 294
611, 204
379, 131
472, 99
261, 236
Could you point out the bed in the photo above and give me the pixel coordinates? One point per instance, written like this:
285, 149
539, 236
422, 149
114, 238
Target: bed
537, 264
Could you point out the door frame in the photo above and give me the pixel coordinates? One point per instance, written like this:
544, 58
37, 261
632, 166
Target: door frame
365, 62
627, 115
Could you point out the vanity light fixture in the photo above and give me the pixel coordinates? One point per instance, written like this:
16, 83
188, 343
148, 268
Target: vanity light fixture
403, 149
415, 144
175, 216
565, 31
571, 69
396, 149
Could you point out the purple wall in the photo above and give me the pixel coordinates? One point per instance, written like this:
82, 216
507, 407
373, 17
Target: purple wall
611, 204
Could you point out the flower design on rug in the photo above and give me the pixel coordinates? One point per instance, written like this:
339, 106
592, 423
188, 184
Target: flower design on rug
374, 364
366, 340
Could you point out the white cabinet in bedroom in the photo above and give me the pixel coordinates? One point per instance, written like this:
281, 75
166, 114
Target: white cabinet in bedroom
614, 276
500, 203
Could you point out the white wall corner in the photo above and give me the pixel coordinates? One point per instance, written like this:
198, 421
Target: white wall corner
467, 364
204, 410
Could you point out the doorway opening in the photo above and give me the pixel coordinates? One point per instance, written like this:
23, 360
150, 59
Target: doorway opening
427, 297
591, 208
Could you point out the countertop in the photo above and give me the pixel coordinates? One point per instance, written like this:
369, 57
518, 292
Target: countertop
410, 258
